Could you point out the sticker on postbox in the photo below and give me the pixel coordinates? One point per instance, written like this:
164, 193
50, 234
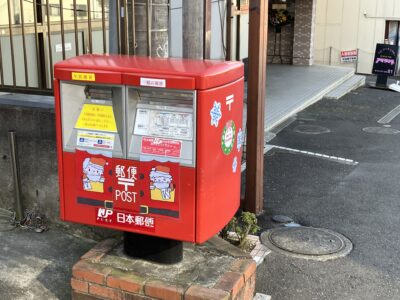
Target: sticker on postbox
126, 184
228, 137
146, 188
94, 180
215, 113
160, 187
97, 117
126, 219
161, 147
99, 140
83, 76
240, 139
93, 174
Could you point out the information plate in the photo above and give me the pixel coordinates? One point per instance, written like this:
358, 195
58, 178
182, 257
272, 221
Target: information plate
161, 147
98, 140
175, 125
97, 117
153, 82
83, 76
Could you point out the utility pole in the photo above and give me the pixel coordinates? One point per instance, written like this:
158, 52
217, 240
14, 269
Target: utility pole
139, 27
256, 104
192, 28
151, 27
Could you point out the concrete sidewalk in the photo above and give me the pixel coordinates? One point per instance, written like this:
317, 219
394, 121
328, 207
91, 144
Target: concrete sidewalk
38, 265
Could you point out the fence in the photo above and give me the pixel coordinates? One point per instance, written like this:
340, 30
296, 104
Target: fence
35, 34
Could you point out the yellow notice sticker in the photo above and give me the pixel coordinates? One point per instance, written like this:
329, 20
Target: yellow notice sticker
83, 76
97, 117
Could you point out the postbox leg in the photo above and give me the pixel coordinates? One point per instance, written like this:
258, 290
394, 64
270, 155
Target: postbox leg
153, 248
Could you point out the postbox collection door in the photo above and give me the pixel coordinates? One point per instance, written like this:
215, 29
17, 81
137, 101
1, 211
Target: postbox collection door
113, 177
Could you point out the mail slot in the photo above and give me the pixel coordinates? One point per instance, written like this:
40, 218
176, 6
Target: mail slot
149, 146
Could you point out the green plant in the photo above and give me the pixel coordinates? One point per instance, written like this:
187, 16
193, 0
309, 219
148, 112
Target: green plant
243, 226
247, 225
224, 233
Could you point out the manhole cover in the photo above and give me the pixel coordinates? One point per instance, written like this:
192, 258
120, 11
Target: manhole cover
381, 130
307, 242
282, 219
311, 129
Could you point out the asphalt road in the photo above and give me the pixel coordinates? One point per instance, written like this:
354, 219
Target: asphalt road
359, 201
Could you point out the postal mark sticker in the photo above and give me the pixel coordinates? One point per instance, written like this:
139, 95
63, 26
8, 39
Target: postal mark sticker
228, 137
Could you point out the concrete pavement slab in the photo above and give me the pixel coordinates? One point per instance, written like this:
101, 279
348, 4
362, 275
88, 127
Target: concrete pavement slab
38, 265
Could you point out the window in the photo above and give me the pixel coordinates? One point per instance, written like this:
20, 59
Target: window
392, 32
55, 10
392, 35
81, 10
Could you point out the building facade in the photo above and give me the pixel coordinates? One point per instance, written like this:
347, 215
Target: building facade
356, 25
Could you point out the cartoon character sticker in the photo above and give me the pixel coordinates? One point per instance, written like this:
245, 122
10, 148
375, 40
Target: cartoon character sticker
234, 165
93, 170
216, 114
161, 184
228, 137
240, 139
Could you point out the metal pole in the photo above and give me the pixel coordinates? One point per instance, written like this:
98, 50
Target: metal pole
330, 55
12, 139
358, 56
207, 29
148, 19
229, 18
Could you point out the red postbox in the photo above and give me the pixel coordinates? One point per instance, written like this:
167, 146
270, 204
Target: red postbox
150, 146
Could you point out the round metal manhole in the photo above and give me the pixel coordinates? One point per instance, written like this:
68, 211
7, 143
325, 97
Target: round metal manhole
311, 129
307, 242
381, 130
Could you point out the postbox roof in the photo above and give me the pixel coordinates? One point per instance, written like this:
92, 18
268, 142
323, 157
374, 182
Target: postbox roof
194, 74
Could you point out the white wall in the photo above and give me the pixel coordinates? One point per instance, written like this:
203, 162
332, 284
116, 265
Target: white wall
349, 25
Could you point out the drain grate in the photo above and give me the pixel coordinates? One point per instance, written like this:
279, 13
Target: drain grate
381, 130
307, 242
311, 129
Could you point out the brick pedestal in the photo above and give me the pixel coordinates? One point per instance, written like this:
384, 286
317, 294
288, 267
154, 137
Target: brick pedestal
216, 270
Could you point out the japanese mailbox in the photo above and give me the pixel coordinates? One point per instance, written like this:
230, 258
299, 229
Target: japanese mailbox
149, 146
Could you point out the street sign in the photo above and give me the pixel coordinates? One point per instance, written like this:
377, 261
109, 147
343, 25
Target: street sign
385, 59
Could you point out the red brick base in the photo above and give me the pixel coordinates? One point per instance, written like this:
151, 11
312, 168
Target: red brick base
92, 280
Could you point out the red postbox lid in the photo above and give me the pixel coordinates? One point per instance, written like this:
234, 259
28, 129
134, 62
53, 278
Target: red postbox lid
173, 73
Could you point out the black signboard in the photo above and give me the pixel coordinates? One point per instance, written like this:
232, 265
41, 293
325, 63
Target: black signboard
385, 59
